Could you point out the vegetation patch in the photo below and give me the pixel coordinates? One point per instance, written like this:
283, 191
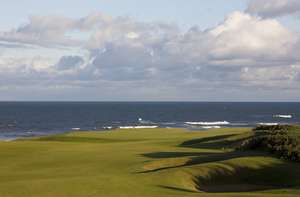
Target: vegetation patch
281, 140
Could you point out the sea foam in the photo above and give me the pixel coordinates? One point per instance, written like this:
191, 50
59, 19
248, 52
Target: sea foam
138, 127
268, 123
76, 129
208, 123
282, 116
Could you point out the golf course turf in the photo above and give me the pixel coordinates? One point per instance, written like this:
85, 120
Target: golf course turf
143, 163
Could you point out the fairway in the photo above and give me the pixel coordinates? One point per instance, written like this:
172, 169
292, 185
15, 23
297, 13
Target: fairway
143, 162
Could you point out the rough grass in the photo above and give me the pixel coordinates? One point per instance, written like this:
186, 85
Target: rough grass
145, 162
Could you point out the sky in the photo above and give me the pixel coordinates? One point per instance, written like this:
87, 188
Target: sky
136, 50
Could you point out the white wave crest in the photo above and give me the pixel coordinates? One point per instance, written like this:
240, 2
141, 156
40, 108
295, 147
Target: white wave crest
283, 116
138, 127
75, 129
208, 123
108, 128
268, 123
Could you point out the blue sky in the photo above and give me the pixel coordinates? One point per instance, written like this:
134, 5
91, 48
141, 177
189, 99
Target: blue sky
204, 13
159, 50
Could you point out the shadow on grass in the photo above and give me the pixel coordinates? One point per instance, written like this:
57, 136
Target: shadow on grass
195, 158
222, 188
177, 189
205, 139
234, 179
202, 158
216, 142
164, 155
246, 179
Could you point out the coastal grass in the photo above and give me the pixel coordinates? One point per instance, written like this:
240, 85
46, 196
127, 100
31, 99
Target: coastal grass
143, 162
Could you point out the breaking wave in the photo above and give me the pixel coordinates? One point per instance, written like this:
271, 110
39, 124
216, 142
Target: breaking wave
208, 123
282, 116
268, 123
75, 129
138, 127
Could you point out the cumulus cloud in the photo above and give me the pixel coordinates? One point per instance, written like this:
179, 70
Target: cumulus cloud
214, 58
244, 50
273, 8
243, 36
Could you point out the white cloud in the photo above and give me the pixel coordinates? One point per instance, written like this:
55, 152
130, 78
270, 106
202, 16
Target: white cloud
243, 51
273, 8
52, 31
243, 36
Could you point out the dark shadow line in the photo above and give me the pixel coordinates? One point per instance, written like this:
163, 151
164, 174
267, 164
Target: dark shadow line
177, 189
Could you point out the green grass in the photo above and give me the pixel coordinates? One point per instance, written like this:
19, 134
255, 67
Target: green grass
144, 162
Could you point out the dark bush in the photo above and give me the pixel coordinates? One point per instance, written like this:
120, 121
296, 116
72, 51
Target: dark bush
273, 128
276, 140
252, 143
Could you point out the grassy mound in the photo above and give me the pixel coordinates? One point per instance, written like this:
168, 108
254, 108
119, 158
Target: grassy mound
228, 170
244, 174
143, 162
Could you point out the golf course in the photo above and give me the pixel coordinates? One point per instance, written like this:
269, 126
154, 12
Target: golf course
144, 163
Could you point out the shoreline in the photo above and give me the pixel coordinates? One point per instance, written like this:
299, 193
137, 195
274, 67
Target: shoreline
107, 130
192, 127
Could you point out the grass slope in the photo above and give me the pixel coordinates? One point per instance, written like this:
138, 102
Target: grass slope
144, 162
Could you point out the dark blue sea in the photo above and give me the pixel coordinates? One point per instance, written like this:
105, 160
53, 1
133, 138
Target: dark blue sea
22, 119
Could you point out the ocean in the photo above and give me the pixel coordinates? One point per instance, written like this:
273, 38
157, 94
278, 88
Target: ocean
26, 119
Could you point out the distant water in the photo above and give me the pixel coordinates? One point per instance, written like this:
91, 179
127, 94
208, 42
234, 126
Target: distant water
21, 119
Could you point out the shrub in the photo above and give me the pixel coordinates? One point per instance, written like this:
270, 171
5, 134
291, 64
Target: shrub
276, 140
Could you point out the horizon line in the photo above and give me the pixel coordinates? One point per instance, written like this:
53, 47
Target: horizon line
106, 101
